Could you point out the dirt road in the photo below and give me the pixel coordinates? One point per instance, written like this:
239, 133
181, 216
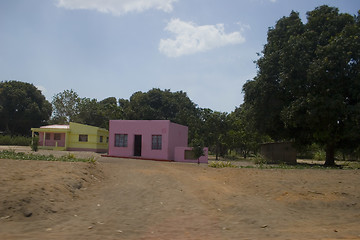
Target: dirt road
135, 199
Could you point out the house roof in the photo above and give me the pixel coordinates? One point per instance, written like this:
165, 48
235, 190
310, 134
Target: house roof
57, 126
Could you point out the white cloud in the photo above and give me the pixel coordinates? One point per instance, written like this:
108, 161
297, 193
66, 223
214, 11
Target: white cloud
190, 38
118, 7
243, 26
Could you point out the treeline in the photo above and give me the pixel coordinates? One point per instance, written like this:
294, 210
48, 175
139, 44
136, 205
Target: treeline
218, 130
24, 107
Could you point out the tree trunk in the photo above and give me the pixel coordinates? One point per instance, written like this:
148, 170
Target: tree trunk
330, 155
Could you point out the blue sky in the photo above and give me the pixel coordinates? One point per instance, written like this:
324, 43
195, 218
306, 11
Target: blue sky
113, 48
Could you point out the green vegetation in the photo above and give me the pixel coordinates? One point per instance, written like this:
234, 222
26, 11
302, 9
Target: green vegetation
307, 88
263, 165
221, 164
14, 140
35, 144
22, 106
10, 154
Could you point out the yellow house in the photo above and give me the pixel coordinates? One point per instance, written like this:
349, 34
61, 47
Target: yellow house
72, 137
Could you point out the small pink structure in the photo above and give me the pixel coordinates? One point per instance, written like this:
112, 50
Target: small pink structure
149, 139
184, 154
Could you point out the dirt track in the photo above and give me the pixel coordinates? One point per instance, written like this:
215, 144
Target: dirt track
134, 199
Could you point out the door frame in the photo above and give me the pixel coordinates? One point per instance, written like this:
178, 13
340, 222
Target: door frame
137, 145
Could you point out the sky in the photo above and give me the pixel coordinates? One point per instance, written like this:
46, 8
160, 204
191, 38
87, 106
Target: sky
114, 48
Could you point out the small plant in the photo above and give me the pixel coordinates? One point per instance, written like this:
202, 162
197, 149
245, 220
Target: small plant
92, 160
259, 159
221, 164
70, 156
35, 144
319, 155
198, 149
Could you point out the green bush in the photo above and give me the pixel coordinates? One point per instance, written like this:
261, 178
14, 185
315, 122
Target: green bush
35, 144
15, 140
11, 154
221, 164
259, 159
320, 155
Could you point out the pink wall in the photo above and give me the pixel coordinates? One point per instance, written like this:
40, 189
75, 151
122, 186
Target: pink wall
51, 142
173, 135
178, 138
180, 155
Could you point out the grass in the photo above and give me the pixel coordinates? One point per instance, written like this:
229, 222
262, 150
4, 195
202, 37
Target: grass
260, 163
11, 154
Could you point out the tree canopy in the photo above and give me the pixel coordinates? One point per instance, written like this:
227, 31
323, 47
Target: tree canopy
157, 104
96, 113
66, 106
308, 83
22, 106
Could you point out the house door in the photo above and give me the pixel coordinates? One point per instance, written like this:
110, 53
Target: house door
137, 146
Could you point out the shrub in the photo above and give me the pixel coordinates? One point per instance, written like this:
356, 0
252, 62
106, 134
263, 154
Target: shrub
15, 140
320, 155
221, 164
92, 160
11, 154
259, 159
35, 143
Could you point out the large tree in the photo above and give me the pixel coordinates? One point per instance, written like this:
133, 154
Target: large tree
157, 104
213, 129
242, 135
308, 84
22, 106
66, 106
92, 112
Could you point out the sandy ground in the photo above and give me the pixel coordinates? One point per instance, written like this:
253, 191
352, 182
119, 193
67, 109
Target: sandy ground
135, 199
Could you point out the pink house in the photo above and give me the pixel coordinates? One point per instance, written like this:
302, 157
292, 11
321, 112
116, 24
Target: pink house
150, 139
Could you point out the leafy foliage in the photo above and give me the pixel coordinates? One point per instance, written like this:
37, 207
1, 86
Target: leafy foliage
22, 106
94, 113
35, 144
157, 104
242, 135
66, 106
307, 87
197, 148
213, 129
221, 164
15, 140
9, 154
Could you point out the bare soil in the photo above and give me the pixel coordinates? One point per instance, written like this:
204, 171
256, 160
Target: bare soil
136, 199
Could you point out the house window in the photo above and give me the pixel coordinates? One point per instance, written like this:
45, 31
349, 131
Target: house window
189, 155
57, 136
107, 139
47, 136
121, 140
83, 138
156, 142
101, 139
